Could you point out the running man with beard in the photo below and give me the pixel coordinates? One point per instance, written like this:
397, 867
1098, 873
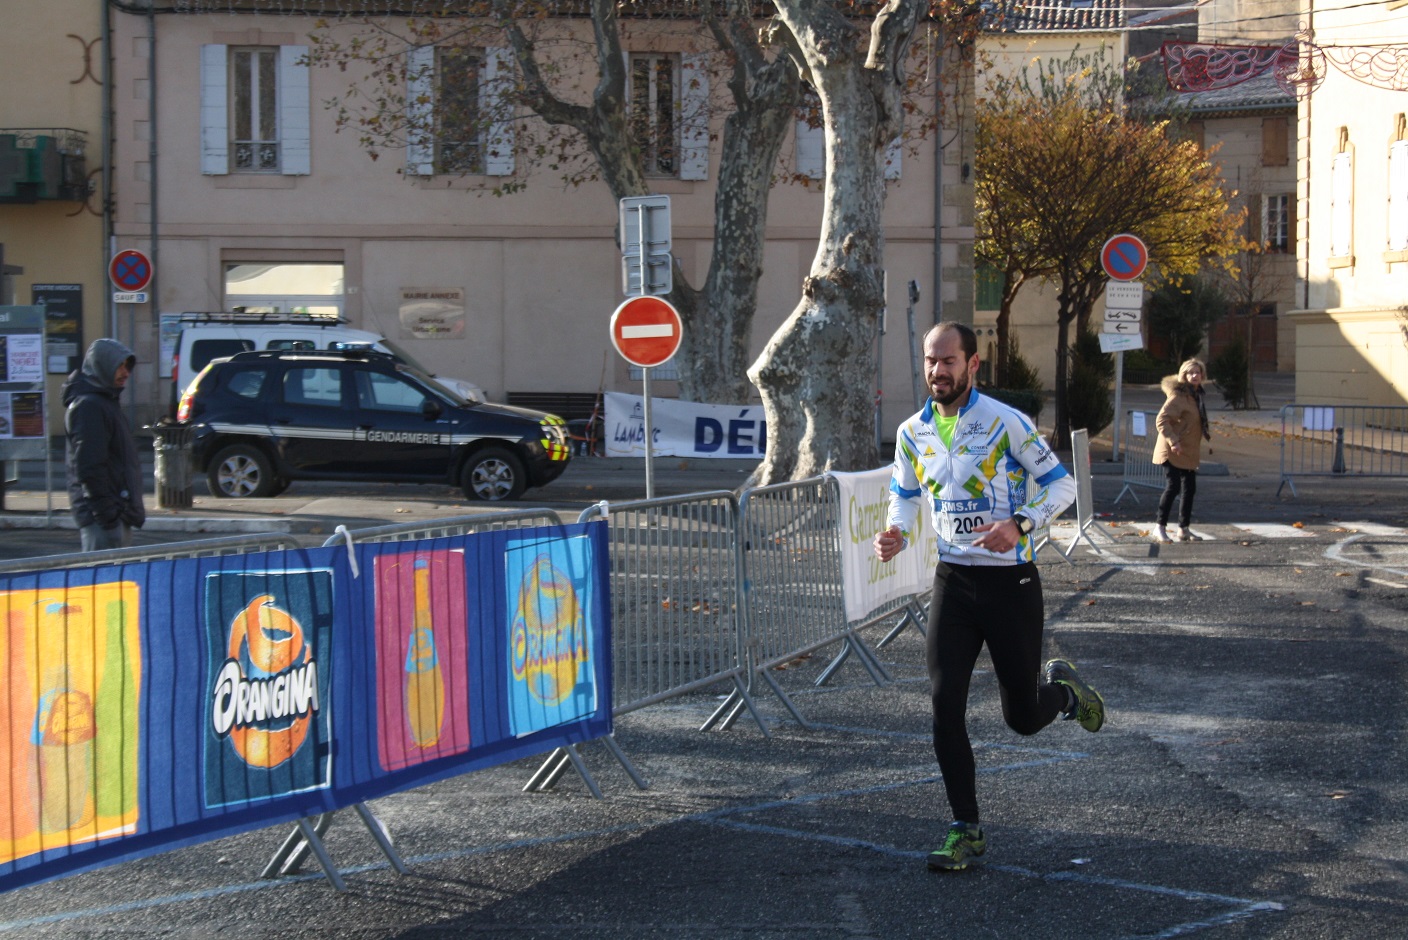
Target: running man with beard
989, 481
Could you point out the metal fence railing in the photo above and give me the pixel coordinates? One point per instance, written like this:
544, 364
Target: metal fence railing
794, 603
198, 548
1140, 436
1085, 499
1342, 441
444, 528
675, 583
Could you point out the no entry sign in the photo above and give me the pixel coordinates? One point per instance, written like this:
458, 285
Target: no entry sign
130, 270
646, 331
1124, 257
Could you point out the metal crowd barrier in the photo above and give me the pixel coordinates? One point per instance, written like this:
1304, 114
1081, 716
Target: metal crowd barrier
197, 548
675, 583
1140, 436
298, 843
792, 600
1085, 500
1342, 440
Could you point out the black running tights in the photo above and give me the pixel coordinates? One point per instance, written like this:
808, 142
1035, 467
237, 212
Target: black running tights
1002, 607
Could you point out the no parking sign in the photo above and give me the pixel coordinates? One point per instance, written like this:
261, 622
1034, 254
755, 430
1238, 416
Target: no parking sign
1124, 257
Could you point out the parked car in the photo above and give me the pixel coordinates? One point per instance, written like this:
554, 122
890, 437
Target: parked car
207, 336
262, 420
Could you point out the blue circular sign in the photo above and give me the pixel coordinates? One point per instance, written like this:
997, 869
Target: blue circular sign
1124, 257
130, 270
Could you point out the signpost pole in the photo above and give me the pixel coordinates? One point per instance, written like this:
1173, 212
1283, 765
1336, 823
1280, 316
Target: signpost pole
1119, 390
649, 435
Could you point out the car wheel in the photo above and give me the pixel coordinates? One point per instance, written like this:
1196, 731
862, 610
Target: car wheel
241, 471
493, 474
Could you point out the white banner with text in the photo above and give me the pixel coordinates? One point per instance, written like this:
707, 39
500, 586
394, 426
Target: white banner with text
866, 582
683, 428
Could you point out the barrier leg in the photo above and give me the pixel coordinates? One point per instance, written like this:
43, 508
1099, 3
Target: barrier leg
782, 697
911, 616
1285, 482
313, 840
1127, 489
620, 755
867, 659
582, 771
382, 837
294, 850
737, 700
548, 773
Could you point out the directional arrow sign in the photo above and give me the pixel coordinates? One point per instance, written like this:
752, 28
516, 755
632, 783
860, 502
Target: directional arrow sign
1121, 326
646, 331
1121, 316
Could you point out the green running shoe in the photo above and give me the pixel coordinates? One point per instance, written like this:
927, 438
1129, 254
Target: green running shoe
1089, 709
962, 844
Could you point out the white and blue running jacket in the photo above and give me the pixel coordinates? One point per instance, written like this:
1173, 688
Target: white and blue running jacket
999, 466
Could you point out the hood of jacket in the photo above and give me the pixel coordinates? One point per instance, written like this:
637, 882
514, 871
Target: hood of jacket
98, 370
1174, 385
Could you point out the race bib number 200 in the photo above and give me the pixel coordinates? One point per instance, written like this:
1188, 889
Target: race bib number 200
959, 518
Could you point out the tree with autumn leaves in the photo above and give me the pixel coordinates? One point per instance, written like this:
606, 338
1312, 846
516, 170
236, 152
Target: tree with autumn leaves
1063, 164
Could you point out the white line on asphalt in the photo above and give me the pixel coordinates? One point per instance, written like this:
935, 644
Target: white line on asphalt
1273, 530
1336, 552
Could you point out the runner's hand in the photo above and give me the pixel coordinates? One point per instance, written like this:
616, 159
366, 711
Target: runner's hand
887, 544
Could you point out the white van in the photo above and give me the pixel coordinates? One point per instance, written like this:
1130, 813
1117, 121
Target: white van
207, 336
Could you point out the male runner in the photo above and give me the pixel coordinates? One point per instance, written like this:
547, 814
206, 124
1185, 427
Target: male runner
989, 480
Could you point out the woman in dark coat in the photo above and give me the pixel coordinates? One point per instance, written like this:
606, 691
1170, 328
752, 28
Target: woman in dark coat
1183, 426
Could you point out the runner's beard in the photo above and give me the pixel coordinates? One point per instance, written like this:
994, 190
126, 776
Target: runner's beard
957, 391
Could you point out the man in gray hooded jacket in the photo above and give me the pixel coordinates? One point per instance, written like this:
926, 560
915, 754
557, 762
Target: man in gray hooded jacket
104, 470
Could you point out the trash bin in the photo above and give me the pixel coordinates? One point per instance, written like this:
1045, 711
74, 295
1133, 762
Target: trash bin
172, 443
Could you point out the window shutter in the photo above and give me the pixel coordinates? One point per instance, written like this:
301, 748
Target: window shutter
1273, 142
694, 117
810, 145
495, 102
1341, 217
295, 128
420, 111
893, 155
1398, 196
214, 111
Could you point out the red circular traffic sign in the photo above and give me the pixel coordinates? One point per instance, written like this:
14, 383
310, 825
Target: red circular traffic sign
1124, 257
646, 331
130, 270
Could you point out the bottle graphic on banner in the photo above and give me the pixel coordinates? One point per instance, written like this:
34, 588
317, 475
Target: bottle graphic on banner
64, 732
425, 683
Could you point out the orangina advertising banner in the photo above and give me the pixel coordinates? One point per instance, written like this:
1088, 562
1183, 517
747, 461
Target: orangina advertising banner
153, 705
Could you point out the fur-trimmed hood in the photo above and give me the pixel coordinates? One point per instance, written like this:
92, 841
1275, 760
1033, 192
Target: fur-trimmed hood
1174, 385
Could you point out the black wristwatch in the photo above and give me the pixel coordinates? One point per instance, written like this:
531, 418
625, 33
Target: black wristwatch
1024, 525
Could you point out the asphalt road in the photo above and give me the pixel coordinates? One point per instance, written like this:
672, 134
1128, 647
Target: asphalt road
1249, 782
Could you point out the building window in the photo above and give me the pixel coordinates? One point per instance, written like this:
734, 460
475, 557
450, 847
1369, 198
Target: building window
1276, 224
1398, 195
254, 110
458, 129
1342, 199
654, 112
313, 288
987, 285
1274, 142
459, 111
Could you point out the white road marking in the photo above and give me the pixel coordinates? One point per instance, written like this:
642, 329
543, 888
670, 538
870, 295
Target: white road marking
1371, 528
1273, 530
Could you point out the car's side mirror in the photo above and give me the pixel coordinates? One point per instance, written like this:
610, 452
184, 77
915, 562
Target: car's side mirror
430, 409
